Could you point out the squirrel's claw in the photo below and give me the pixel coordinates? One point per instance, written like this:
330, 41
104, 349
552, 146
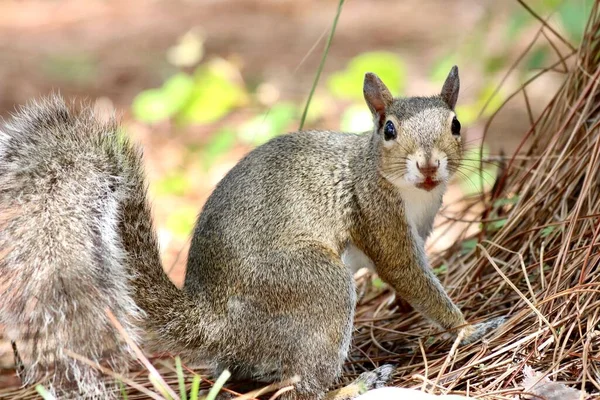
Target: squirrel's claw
473, 333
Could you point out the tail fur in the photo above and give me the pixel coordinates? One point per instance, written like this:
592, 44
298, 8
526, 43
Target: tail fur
76, 239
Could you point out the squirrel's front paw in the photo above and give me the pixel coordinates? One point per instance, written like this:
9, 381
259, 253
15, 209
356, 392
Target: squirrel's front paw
374, 379
473, 333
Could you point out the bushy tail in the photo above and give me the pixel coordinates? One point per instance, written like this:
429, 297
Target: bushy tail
76, 238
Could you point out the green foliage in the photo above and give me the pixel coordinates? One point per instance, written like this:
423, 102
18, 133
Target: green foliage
486, 97
214, 95
123, 390
175, 183
264, 127
195, 390
44, 393
537, 58
518, 21
158, 385
219, 144
347, 84
204, 97
212, 394
496, 225
508, 201
160, 104
547, 231
378, 283
181, 220
468, 245
180, 378
442, 269
573, 15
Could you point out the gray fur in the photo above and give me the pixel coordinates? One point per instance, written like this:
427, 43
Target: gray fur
267, 248
266, 292
62, 181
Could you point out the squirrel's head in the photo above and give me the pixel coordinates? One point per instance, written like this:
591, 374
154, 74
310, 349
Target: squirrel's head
418, 137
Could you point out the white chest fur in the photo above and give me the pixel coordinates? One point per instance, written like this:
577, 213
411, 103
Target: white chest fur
421, 207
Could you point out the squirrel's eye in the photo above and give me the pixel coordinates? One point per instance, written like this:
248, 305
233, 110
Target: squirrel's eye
455, 127
389, 131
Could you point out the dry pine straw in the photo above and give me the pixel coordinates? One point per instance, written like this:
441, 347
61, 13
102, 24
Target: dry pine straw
540, 269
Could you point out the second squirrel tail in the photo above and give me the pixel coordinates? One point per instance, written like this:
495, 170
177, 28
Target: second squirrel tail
76, 239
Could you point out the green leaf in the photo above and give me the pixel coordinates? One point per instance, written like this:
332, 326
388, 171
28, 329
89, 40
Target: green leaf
378, 283
537, 57
214, 95
318, 105
177, 91
123, 390
175, 183
180, 378
219, 144
467, 113
509, 201
441, 269
181, 220
264, 127
548, 230
495, 63
519, 20
497, 225
469, 245
151, 106
155, 105
347, 84
573, 15
158, 385
212, 394
44, 393
493, 103
195, 390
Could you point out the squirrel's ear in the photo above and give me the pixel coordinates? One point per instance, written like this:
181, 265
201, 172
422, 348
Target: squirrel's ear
451, 87
377, 95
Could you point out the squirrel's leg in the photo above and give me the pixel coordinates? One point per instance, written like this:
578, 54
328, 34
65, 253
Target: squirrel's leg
415, 282
293, 319
409, 273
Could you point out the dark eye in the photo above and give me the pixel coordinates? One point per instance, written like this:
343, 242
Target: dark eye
455, 127
389, 131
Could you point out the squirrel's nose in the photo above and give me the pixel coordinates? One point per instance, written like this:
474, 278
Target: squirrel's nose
429, 168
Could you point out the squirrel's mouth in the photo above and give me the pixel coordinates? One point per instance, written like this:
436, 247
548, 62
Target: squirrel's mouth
428, 184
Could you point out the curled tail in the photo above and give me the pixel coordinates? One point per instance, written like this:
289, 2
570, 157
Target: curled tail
76, 238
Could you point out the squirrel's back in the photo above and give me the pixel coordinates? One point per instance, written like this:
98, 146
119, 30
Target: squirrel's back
64, 177
295, 188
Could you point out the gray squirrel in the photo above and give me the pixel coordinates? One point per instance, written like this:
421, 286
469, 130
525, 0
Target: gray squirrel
266, 292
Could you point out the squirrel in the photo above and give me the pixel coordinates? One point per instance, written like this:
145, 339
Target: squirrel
268, 291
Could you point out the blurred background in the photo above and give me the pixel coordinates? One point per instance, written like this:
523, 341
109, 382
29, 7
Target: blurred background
199, 83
